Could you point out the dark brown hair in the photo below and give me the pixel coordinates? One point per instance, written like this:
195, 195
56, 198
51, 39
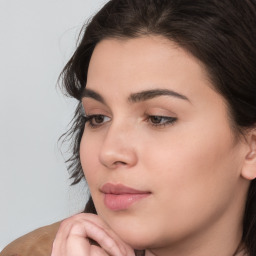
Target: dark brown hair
220, 33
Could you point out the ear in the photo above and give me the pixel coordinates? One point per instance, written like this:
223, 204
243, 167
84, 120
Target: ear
249, 167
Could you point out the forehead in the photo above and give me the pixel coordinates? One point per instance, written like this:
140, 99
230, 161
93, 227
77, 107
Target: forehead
145, 63
147, 52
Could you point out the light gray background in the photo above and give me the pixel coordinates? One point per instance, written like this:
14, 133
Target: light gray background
37, 37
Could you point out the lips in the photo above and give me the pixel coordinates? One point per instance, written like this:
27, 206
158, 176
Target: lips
119, 189
119, 197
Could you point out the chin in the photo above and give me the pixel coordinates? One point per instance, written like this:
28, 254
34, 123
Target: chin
135, 227
138, 242
134, 233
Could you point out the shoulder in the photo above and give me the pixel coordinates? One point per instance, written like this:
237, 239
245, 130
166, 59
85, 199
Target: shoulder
36, 243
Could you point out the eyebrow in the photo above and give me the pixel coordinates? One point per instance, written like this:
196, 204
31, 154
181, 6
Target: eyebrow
150, 94
88, 93
137, 97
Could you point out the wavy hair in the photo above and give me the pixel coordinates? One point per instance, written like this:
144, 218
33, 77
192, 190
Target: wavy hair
221, 34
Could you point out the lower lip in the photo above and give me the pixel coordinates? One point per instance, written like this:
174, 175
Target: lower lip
122, 201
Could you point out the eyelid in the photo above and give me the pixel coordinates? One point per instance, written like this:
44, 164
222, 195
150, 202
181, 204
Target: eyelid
160, 121
158, 117
93, 110
89, 103
159, 111
93, 124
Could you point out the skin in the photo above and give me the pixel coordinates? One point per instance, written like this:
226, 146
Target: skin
194, 167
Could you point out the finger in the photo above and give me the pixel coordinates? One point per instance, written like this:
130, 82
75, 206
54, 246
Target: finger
59, 244
97, 251
81, 231
95, 220
78, 248
72, 238
88, 226
124, 248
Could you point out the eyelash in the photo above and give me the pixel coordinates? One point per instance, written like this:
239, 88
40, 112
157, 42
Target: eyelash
167, 120
90, 118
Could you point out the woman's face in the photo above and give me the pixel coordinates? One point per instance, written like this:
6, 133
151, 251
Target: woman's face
158, 152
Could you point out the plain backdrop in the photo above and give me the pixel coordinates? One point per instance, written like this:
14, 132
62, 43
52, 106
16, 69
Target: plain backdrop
37, 37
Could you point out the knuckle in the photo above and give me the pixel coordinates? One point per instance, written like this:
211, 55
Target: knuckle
110, 244
78, 228
64, 223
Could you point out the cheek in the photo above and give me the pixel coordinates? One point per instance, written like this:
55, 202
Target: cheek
89, 158
191, 171
196, 176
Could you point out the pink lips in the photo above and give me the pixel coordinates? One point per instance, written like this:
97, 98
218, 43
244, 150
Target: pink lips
119, 197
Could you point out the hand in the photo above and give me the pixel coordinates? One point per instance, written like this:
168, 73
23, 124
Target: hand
74, 234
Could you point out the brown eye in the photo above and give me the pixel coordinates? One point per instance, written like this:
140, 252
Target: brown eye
161, 120
156, 119
95, 121
98, 119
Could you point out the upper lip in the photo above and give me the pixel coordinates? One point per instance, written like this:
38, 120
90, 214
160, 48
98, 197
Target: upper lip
119, 189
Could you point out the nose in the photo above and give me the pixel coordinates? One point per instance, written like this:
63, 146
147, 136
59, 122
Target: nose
118, 148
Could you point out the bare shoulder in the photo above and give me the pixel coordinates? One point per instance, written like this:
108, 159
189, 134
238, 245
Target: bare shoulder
36, 243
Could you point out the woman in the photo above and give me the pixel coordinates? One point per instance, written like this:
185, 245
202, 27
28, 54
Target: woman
165, 130
166, 137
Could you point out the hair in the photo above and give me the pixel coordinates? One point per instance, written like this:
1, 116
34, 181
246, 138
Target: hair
221, 34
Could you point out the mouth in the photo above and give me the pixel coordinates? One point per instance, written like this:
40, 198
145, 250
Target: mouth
118, 197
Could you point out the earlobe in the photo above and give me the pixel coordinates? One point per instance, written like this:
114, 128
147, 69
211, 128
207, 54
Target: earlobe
249, 167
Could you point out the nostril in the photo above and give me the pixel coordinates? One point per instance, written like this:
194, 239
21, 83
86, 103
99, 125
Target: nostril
120, 163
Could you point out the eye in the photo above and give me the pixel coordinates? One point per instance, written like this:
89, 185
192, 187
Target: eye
96, 120
161, 120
